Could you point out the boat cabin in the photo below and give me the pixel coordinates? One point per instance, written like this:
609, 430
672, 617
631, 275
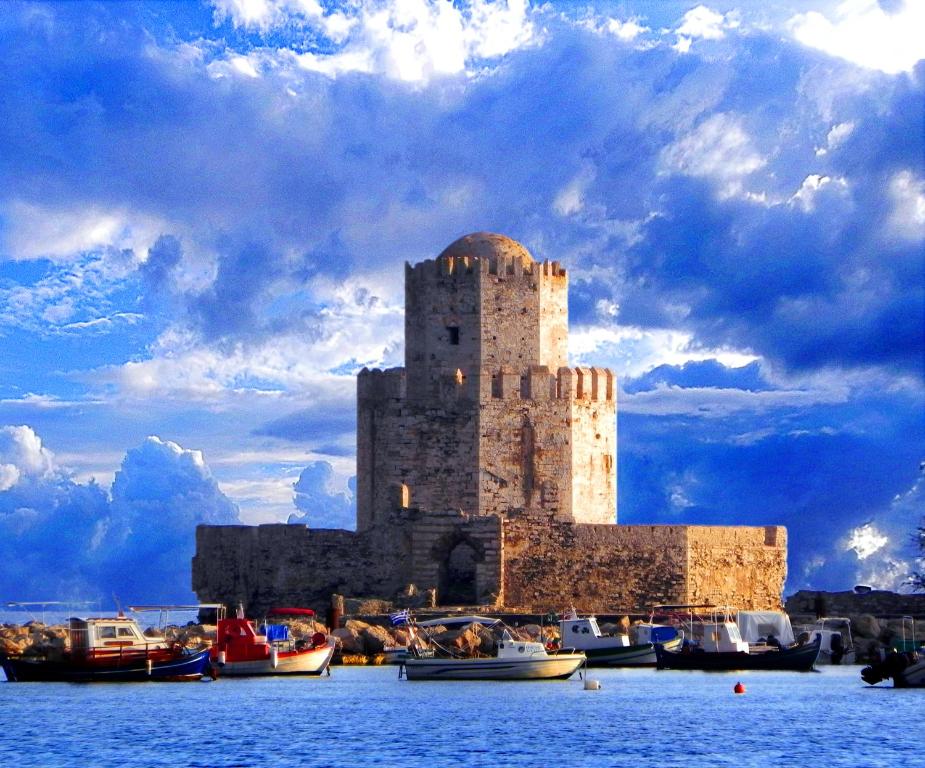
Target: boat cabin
585, 634
722, 637
120, 634
508, 647
240, 641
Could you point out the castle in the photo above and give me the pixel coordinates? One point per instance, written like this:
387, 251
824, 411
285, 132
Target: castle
486, 471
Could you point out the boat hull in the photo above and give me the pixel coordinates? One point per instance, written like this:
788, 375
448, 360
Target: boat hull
642, 655
557, 667
797, 659
906, 671
134, 668
310, 662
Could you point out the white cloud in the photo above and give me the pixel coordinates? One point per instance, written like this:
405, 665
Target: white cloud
836, 135
71, 297
719, 149
625, 30
812, 185
356, 327
22, 455
865, 540
570, 199
632, 351
717, 402
702, 23
63, 234
864, 33
266, 499
907, 192
408, 40
9, 476
266, 14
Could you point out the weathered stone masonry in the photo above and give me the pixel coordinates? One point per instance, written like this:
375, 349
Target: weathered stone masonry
486, 470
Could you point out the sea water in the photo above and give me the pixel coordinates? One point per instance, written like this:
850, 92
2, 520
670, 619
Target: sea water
363, 716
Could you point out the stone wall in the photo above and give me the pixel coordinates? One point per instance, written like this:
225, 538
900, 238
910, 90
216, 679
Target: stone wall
879, 603
291, 565
740, 566
629, 568
528, 562
549, 565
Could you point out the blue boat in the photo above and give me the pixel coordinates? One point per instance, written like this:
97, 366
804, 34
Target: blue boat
109, 650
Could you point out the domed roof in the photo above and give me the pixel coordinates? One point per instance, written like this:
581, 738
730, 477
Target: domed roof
489, 246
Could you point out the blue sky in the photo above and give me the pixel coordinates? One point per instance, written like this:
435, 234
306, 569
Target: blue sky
205, 209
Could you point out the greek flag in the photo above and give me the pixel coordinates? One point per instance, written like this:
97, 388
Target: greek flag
400, 617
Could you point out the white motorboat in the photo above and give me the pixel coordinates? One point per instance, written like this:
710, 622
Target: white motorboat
616, 650
514, 660
837, 646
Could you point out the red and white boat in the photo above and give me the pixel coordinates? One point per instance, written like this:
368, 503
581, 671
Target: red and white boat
109, 649
240, 650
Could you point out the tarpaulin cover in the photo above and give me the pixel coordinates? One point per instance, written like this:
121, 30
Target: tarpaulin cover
663, 634
290, 612
277, 632
757, 625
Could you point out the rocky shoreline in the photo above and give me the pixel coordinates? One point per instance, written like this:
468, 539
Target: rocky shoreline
365, 642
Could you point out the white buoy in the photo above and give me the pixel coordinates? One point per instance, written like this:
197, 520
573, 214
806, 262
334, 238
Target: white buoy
274, 657
221, 658
150, 667
592, 685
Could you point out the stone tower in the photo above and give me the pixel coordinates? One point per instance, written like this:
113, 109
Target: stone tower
486, 472
485, 417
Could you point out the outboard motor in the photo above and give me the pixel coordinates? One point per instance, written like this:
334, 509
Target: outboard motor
837, 647
891, 666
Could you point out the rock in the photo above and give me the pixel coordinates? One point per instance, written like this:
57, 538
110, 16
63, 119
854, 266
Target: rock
401, 636
532, 631
866, 626
355, 625
468, 642
375, 639
487, 642
350, 641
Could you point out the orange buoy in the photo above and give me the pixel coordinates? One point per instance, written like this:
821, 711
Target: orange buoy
739, 688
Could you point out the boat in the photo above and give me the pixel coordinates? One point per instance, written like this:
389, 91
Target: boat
720, 647
906, 669
765, 628
512, 660
110, 649
240, 650
616, 650
905, 665
837, 644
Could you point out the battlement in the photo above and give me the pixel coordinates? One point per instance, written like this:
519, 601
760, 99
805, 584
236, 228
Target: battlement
470, 267
539, 383
378, 385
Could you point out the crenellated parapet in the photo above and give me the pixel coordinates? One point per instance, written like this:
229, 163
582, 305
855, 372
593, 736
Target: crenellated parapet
472, 267
376, 385
539, 383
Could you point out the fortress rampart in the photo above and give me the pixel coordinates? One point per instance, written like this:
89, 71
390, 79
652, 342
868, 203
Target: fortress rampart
487, 471
524, 563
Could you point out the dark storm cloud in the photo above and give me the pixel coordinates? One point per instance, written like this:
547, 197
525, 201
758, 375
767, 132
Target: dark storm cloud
684, 211
162, 260
239, 160
62, 539
310, 426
